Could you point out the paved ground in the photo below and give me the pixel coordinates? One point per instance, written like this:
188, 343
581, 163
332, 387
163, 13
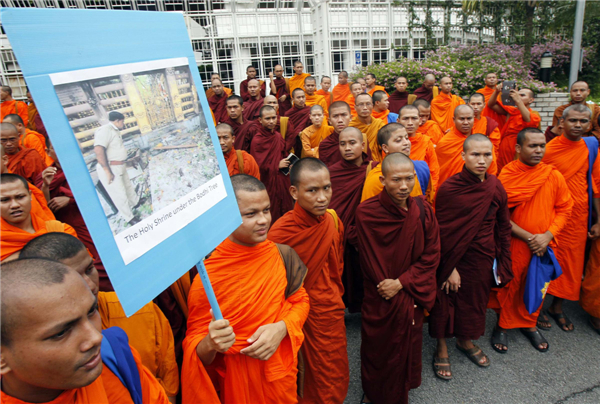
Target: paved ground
569, 373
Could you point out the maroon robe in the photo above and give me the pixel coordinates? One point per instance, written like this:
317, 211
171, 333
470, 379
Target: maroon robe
218, 105
240, 131
397, 100
475, 229
395, 244
244, 89
252, 129
252, 109
299, 120
329, 150
71, 215
268, 148
424, 94
282, 89
347, 181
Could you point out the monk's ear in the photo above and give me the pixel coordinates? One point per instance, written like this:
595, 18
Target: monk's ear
463, 155
382, 179
518, 148
4, 366
294, 192
385, 148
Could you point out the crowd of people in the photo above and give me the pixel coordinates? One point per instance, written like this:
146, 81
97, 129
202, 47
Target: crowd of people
407, 208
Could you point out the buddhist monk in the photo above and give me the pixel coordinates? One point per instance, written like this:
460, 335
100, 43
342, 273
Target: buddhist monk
483, 124
355, 89
393, 138
449, 150
399, 249
517, 118
148, 330
268, 149
540, 204
283, 124
342, 89
210, 92
339, 119
299, 119
363, 83
238, 161
443, 106
326, 375
11, 106
218, 102
280, 89
253, 104
426, 125
297, 80
428, 90
472, 212
421, 146
569, 153
313, 135
366, 124
399, 98
312, 98
324, 90
579, 92
22, 161
491, 81
29, 139
381, 108
244, 90
372, 86
33, 116
347, 181
240, 125
252, 352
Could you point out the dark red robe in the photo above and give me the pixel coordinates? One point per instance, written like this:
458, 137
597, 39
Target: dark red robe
244, 89
329, 149
475, 229
282, 89
397, 100
252, 108
347, 181
424, 94
299, 120
268, 148
240, 131
218, 105
395, 244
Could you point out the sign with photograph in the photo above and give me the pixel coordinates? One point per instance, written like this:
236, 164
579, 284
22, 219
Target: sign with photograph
124, 108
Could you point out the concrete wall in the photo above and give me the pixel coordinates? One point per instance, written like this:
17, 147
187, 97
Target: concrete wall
546, 103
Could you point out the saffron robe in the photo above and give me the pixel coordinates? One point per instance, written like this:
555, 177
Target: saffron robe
371, 131
281, 85
327, 96
397, 100
487, 111
252, 108
315, 99
218, 105
540, 201
27, 163
244, 89
351, 101
590, 287
376, 88
383, 115
571, 159
488, 127
395, 244
240, 131
373, 185
594, 128
14, 107
324, 350
268, 149
329, 149
449, 151
312, 137
37, 141
442, 109
514, 125
250, 285
475, 229
433, 130
299, 119
297, 81
233, 166
340, 92
422, 148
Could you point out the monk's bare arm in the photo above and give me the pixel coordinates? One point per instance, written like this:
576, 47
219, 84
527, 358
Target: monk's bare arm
522, 108
272, 84
493, 103
519, 232
220, 338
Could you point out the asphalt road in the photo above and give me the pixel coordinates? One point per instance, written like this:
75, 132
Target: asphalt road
568, 373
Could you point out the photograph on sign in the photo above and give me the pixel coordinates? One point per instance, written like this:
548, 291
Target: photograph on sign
146, 145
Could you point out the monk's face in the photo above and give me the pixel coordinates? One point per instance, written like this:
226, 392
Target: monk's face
83, 264
477, 103
370, 81
491, 80
268, 120
298, 68
464, 120
253, 88
383, 104
29, 97
351, 145
579, 92
401, 84
339, 118
343, 79
251, 72
424, 114
278, 71
299, 99
364, 106
576, 124
356, 89
478, 157
10, 141
527, 96
326, 84
316, 117
225, 139
428, 84
533, 149
399, 181
399, 143
234, 109
363, 83
310, 86
217, 87
272, 101
446, 85
409, 118
255, 209
55, 338
4, 95
313, 192
15, 203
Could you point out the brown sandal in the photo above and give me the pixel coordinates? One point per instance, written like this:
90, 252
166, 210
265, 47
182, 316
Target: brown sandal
442, 364
474, 356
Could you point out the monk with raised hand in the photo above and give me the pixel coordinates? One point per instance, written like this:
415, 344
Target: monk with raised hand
540, 204
421, 146
148, 330
426, 125
366, 124
372, 86
399, 247
269, 150
313, 135
356, 89
218, 102
491, 81
472, 212
11, 106
252, 354
240, 125
251, 75
27, 163
29, 139
342, 88
339, 119
579, 92
428, 90
297, 80
253, 104
51, 342
312, 98
280, 89
449, 150
347, 181
443, 106
238, 161
324, 90
482, 124
381, 108
570, 154
324, 350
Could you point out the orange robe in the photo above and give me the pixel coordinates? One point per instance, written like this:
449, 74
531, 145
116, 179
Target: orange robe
373, 185
327, 96
590, 287
316, 99
514, 125
351, 103
249, 284
233, 166
149, 332
324, 350
210, 92
422, 148
31, 113
37, 141
371, 131
14, 107
340, 92
27, 163
449, 151
487, 111
311, 139
433, 130
381, 115
539, 201
297, 82
481, 126
442, 109
376, 88
571, 159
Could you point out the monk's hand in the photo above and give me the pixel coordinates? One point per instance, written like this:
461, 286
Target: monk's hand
594, 232
514, 94
58, 202
499, 87
48, 175
284, 163
220, 335
452, 283
282, 98
265, 341
538, 243
389, 288
271, 75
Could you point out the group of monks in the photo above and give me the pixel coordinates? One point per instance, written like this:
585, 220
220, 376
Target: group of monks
408, 208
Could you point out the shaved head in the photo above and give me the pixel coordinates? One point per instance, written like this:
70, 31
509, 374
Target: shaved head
421, 103
462, 107
395, 160
476, 137
385, 133
268, 100
429, 77
246, 183
305, 164
352, 131
9, 178
53, 246
8, 128
14, 119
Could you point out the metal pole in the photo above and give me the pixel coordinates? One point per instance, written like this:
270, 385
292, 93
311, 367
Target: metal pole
576, 51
